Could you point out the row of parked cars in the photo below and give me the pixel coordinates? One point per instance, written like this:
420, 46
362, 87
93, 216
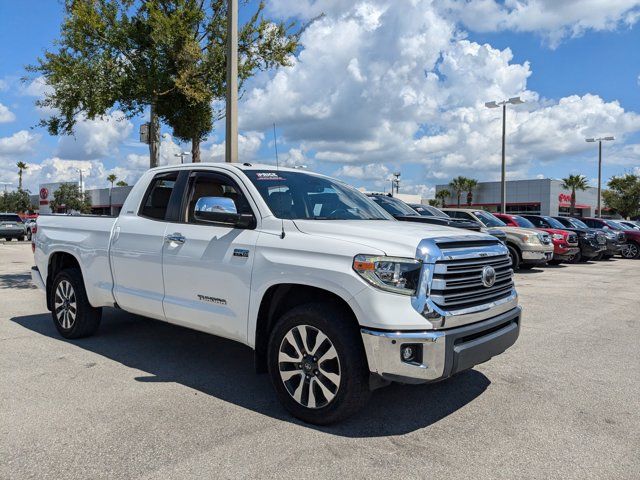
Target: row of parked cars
13, 227
532, 240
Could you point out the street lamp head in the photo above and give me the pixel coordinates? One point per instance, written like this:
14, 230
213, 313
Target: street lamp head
609, 138
491, 105
515, 101
590, 140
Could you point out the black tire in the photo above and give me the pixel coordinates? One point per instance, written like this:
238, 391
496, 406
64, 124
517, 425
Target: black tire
515, 257
631, 250
555, 262
353, 384
577, 258
598, 257
87, 318
29, 235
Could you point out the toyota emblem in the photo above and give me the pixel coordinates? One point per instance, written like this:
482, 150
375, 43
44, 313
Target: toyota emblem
488, 276
44, 193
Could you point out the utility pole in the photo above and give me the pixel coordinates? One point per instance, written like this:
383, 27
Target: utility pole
599, 140
503, 176
231, 140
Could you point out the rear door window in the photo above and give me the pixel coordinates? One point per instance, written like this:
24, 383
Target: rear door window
156, 200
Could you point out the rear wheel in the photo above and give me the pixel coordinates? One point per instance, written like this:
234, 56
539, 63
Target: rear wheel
630, 250
73, 315
317, 364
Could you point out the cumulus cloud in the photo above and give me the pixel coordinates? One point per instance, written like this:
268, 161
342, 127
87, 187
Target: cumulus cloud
96, 138
554, 20
248, 145
6, 115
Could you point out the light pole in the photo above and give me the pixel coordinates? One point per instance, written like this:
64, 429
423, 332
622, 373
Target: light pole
395, 181
503, 180
231, 134
599, 140
181, 155
81, 184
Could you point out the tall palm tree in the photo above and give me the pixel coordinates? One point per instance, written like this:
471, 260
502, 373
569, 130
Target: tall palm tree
471, 184
573, 183
21, 168
442, 195
111, 178
458, 185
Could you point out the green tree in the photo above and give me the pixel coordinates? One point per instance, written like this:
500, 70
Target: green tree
121, 183
458, 185
17, 201
573, 183
165, 55
442, 195
21, 168
433, 202
470, 184
111, 178
623, 195
69, 198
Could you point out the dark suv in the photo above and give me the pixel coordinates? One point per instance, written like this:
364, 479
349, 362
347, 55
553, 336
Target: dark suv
615, 236
11, 226
588, 243
403, 212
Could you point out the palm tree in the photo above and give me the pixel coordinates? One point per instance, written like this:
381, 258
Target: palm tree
471, 184
458, 185
573, 183
442, 195
111, 178
21, 168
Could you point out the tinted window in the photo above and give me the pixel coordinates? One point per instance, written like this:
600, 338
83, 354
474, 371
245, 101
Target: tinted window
298, 195
523, 222
158, 194
10, 218
488, 219
553, 223
394, 206
577, 223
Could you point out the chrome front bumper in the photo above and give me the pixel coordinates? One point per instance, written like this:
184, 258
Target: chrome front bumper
441, 353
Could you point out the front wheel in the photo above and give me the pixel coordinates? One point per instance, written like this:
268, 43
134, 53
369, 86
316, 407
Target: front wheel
515, 258
576, 258
630, 250
317, 364
73, 315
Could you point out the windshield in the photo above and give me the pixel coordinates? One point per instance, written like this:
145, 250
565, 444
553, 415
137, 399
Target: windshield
488, 219
577, 223
298, 195
523, 222
553, 222
422, 210
615, 225
10, 218
395, 207
435, 212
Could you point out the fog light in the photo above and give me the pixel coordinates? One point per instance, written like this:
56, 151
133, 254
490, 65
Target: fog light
411, 353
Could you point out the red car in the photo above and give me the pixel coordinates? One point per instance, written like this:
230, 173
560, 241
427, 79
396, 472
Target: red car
565, 243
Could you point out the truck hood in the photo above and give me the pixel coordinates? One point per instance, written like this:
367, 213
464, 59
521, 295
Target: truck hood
392, 237
519, 230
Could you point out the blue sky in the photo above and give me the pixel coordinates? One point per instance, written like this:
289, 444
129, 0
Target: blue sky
428, 122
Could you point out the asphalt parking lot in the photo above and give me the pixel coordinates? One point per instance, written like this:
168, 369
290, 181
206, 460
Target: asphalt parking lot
144, 399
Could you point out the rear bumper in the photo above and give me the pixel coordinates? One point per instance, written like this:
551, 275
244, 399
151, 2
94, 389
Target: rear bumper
439, 354
36, 278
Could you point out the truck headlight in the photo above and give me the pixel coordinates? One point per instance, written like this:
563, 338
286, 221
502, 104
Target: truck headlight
392, 274
535, 239
558, 236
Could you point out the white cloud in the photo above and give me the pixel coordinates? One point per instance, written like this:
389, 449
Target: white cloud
6, 115
19, 143
555, 20
96, 138
248, 145
372, 171
38, 87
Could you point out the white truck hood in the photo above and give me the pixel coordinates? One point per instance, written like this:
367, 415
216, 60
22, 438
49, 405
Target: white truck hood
393, 238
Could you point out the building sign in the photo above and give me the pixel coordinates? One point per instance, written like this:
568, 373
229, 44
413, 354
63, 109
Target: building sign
564, 198
44, 196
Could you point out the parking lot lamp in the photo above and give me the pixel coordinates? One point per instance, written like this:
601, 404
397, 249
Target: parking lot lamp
503, 182
599, 140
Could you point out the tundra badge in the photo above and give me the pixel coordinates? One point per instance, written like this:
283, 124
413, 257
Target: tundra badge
240, 252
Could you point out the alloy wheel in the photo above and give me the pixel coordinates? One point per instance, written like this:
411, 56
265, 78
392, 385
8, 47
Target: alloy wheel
629, 250
309, 366
65, 305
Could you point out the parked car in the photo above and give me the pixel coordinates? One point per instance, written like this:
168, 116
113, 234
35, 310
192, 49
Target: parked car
30, 227
629, 224
334, 296
616, 237
631, 247
527, 248
11, 227
565, 243
592, 243
405, 213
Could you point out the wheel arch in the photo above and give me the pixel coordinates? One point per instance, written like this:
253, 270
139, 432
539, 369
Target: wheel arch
59, 261
281, 298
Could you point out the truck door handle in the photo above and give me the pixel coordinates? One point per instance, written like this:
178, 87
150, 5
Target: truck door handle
175, 237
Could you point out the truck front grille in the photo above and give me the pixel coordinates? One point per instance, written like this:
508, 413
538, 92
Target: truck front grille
572, 238
602, 240
457, 283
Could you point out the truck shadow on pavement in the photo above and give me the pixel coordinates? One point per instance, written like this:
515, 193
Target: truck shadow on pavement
225, 369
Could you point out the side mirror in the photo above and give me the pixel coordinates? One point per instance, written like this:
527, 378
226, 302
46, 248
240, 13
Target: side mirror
221, 210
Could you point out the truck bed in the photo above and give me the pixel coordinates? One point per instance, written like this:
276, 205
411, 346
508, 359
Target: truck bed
87, 238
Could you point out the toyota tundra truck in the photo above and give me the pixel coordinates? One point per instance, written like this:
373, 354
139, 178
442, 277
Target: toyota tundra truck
335, 297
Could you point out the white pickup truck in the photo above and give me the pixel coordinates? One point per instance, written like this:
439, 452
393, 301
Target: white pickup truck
335, 297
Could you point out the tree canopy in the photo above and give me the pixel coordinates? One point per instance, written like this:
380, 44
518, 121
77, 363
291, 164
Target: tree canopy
623, 195
169, 55
69, 198
18, 202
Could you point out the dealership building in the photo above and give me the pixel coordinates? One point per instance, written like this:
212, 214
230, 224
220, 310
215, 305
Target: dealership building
543, 196
98, 197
